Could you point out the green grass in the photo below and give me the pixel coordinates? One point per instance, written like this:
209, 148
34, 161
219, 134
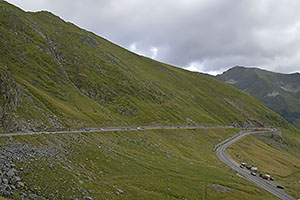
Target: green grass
68, 77
55, 75
162, 164
279, 157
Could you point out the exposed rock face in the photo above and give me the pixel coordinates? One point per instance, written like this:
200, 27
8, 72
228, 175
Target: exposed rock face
10, 99
12, 96
248, 124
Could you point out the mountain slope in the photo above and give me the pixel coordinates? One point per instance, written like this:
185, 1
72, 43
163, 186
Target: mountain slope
279, 92
56, 75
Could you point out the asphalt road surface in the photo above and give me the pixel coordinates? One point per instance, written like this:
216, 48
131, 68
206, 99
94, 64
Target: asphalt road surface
111, 129
221, 149
265, 184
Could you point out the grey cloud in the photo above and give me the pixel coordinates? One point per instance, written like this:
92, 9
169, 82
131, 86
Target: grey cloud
211, 34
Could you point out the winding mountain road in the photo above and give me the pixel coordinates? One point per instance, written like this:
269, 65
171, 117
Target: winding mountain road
102, 129
265, 184
220, 148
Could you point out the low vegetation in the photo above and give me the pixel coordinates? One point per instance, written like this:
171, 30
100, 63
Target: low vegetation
274, 155
161, 164
54, 75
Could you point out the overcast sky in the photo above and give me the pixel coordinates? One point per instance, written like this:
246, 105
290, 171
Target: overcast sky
200, 35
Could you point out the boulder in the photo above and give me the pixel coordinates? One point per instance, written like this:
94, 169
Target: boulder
5, 181
120, 191
11, 172
20, 184
16, 179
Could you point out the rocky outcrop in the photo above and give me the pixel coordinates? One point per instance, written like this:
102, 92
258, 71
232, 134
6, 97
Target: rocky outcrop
10, 99
12, 156
20, 164
249, 124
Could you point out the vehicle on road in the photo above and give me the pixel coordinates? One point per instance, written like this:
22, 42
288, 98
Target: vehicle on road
248, 166
87, 129
280, 187
225, 158
266, 176
241, 166
253, 173
254, 169
272, 179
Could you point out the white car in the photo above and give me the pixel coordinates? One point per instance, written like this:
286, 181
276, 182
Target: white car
253, 173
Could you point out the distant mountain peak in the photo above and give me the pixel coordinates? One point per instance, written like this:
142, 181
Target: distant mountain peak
280, 92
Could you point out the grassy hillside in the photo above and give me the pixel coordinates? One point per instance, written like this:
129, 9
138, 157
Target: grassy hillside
56, 75
277, 156
162, 164
279, 92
